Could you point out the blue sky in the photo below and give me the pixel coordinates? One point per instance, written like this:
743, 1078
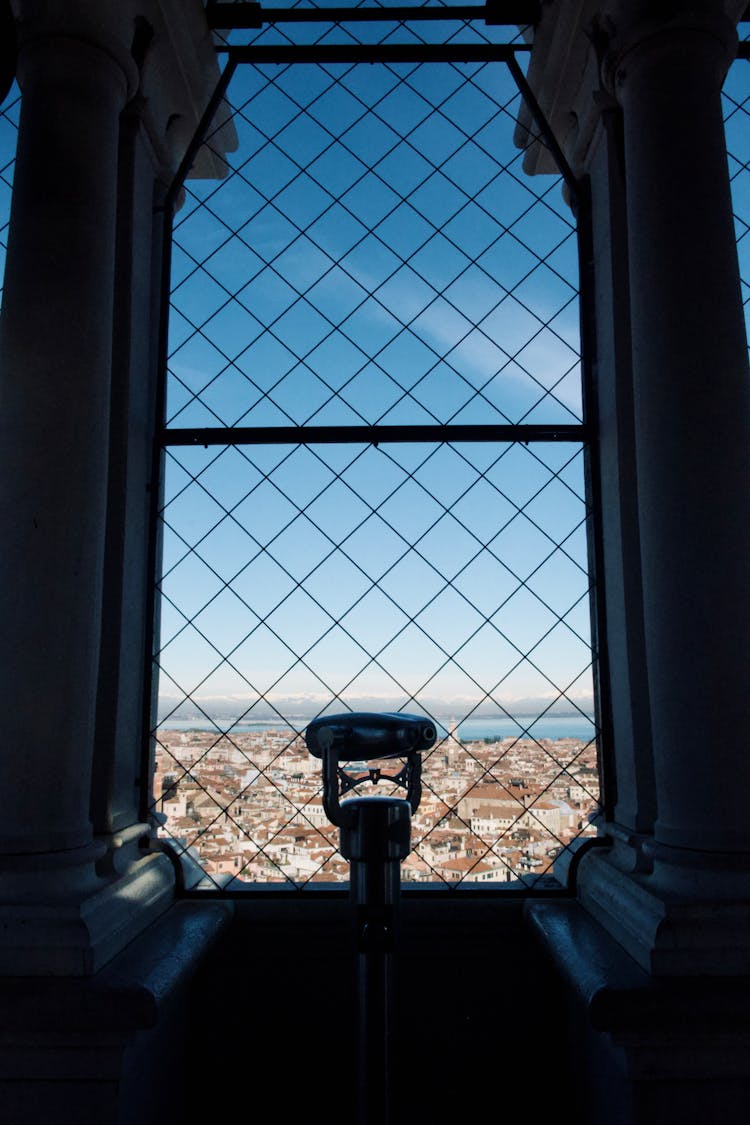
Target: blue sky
376, 255
440, 595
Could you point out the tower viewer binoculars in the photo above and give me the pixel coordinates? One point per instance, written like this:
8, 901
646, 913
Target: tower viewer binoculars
367, 737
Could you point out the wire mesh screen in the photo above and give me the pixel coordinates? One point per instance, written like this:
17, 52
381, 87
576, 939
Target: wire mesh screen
9, 114
448, 578
375, 256
737, 127
372, 259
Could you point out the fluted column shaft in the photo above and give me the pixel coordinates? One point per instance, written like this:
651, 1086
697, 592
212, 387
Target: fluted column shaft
692, 419
55, 358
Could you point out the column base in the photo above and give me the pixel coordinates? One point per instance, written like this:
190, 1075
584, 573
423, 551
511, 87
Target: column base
667, 930
114, 1047
76, 933
641, 1050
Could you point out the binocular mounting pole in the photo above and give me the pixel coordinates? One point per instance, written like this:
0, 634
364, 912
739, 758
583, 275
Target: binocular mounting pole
375, 837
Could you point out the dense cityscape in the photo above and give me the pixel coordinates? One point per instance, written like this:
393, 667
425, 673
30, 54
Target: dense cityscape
247, 807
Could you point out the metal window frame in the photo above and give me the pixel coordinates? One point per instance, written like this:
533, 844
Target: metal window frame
251, 15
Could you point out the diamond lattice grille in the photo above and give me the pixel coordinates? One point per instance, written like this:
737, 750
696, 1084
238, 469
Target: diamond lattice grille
737, 127
9, 114
374, 257
379, 605
371, 259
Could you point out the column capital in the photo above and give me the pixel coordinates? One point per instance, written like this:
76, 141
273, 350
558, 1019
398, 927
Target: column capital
105, 27
165, 51
581, 46
628, 35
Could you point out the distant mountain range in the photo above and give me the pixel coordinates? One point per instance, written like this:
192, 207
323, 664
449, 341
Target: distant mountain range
308, 706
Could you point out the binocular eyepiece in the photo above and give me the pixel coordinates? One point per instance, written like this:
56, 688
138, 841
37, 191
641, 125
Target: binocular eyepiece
363, 736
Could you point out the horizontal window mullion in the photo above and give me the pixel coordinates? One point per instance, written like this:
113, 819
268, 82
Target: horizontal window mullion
371, 435
388, 53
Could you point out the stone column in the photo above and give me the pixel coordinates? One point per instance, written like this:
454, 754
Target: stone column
691, 426
59, 913
109, 103
673, 419
692, 423
54, 402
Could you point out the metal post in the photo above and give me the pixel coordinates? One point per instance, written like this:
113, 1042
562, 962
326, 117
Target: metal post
375, 838
375, 844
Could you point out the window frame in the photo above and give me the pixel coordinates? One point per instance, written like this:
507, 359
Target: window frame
585, 433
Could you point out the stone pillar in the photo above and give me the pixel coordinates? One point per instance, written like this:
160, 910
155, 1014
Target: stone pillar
692, 425
633, 92
79, 878
54, 403
691, 429
60, 911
